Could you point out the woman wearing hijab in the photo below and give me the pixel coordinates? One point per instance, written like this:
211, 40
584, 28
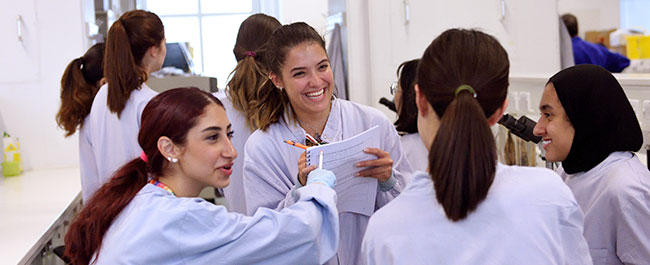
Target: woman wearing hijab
588, 124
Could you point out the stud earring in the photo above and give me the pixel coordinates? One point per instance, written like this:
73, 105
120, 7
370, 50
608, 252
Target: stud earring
173, 160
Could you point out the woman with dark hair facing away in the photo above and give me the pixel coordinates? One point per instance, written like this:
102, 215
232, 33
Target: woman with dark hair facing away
407, 115
248, 86
149, 212
79, 84
468, 208
135, 47
273, 170
588, 124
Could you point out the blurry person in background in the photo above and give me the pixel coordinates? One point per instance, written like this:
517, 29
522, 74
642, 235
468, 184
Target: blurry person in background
589, 53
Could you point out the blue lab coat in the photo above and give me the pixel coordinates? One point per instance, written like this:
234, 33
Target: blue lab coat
158, 228
589, 53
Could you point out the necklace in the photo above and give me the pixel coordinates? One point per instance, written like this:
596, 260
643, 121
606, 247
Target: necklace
161, 185
317, 134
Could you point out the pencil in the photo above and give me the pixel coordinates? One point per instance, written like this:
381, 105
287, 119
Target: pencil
299, 145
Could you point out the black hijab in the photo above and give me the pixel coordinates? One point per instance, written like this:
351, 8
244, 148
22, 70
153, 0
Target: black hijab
601, 114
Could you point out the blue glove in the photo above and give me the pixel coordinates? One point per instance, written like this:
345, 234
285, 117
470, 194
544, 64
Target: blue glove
323, 176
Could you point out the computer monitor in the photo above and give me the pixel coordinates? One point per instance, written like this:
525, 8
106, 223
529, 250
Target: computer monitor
178, 56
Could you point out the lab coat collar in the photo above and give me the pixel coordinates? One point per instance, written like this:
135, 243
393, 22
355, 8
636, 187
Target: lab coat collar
331, 133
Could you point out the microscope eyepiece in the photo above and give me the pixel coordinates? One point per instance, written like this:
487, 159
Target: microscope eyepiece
522, 127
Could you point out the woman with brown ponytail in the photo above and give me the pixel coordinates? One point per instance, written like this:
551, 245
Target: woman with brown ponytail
149, 211
248, 86
135, 47
468, 208
79, 84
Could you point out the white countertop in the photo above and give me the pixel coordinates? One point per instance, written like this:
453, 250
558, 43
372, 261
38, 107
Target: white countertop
29, 205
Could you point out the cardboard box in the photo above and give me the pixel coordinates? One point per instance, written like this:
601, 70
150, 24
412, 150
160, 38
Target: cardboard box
599, 36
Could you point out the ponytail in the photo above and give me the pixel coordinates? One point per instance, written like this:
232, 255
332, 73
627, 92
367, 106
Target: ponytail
462, 158
270, 105
122, 73
76, 98
464, 76
247, 83
128, 40
84, 237
249, 87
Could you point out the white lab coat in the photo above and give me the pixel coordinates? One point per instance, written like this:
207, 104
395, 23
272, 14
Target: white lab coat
615, 197
528, 217
415, 150
234, 193
106, 142
271, 167
158, 228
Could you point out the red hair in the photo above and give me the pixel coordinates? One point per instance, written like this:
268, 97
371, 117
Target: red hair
171, 113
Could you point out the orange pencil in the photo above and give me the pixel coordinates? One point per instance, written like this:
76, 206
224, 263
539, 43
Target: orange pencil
299, 145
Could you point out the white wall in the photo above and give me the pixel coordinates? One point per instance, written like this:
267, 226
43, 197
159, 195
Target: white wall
592, 14
312, 12
28, 108
379, 40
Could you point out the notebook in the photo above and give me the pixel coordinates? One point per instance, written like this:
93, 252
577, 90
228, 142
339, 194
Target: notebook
355, 194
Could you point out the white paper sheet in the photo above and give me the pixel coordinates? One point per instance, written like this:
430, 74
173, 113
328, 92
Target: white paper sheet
355, 194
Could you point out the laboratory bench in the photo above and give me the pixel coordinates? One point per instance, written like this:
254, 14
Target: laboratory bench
36, 208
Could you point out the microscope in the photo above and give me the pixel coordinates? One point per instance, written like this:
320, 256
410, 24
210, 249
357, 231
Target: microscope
523, 128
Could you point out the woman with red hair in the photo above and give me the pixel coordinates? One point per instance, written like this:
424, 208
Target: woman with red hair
149, 212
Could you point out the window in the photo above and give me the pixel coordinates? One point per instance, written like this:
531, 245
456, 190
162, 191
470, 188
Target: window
634, 14
210, 27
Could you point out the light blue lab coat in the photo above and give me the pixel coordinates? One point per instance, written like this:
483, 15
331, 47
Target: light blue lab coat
615, 197
528, 217
159, 228
107, 142
271, 167
417, 154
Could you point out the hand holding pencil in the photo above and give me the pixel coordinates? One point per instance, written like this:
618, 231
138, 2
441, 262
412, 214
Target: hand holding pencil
320, 175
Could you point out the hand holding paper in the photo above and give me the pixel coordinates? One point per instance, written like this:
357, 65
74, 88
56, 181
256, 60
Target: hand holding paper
355, 194
381, 168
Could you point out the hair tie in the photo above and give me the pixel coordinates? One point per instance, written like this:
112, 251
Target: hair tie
465, 87
144, 158
250, 53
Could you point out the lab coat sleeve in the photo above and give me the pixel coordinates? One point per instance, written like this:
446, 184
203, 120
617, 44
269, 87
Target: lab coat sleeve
88, 168
266, 180
401, 168
633, 230
305, 233
576, 250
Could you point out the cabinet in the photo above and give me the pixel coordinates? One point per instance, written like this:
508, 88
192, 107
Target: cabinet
19, 50
384, 33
